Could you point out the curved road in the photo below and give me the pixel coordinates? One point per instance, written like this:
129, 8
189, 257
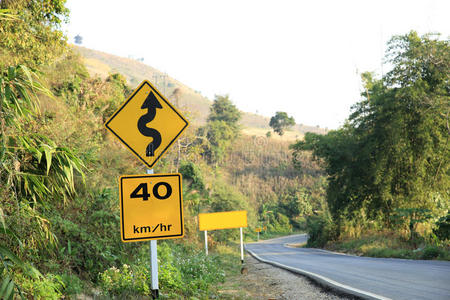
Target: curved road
372, 278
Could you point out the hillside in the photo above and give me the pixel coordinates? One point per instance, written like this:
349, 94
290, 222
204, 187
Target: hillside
101, 64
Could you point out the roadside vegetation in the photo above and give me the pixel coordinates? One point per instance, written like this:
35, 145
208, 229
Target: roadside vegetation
388, 166
386, 171
59, 213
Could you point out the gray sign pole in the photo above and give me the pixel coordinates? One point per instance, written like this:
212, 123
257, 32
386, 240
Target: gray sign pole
154, 262
206, 242
242, 246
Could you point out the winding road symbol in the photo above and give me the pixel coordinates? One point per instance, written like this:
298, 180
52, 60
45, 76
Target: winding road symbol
151, 104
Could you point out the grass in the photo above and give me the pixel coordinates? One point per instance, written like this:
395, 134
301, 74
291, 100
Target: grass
289, 135
101, 64
389, 245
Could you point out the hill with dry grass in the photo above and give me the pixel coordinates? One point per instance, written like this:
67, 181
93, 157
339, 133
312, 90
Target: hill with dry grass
101, 64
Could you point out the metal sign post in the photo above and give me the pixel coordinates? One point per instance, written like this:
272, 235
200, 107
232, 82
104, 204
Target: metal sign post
206, 242
242, 246
154, 262
154, 268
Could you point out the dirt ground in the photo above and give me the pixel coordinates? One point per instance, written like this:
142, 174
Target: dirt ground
263, 281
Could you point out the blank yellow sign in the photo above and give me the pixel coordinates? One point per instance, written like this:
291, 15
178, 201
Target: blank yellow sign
151, 207
222, 220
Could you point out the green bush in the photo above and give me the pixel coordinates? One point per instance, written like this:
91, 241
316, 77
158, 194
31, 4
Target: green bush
279, 223
186, 271
183, 272
72, 284
125, 281
320, 230
192, 173
48, 287
430, 252
442, 230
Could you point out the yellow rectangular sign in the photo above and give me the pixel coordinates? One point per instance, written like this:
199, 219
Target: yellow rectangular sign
151, 207
222, 220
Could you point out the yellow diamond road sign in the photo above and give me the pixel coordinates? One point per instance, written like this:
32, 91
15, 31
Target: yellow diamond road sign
151, 207
147, 124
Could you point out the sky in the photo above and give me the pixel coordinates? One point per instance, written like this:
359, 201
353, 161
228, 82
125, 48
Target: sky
301, 57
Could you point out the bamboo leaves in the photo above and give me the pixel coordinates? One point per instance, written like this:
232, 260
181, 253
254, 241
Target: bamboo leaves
37, 168
48, 171
18, 98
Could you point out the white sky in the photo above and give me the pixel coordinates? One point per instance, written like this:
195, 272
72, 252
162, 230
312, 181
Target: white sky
295, 56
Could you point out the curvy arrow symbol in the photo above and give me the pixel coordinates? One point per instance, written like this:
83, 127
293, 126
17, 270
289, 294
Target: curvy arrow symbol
151, 104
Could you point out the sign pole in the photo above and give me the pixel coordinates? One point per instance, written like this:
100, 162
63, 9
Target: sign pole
154, 268
242, 246
258, 236
206, 242
154, 262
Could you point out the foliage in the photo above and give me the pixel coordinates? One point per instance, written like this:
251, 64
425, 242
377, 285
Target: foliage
193, 174
183, 271
280, 122
224, 110
222, 128
72, 284
320, 230
49, 287
411, 217
388, 243
33, 37
34, 169
16, 83
125, 281
393, 153
442, 229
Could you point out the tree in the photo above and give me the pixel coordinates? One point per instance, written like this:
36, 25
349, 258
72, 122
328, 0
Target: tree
33, 37
392, 153
78, 39
224, 110
280, 122
222, 127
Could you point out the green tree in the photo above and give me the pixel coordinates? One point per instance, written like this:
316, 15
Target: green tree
222, 128
224, 110
33, 37
280, 122
393, 152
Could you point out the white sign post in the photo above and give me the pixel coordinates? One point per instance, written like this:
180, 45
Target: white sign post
206, 242
242, 246
154, 261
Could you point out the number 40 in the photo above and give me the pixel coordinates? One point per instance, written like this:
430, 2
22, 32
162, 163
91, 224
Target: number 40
145, 195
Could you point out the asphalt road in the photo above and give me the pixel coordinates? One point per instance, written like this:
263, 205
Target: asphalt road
376, 278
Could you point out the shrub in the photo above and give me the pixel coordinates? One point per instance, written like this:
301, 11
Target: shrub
442, 230
192, 173
48, 287
430, 252
125, 281
320, 230
72, 284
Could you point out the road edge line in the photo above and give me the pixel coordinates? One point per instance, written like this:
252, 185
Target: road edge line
323, 280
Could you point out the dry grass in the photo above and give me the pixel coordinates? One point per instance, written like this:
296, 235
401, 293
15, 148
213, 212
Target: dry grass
289, 136
101, 64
